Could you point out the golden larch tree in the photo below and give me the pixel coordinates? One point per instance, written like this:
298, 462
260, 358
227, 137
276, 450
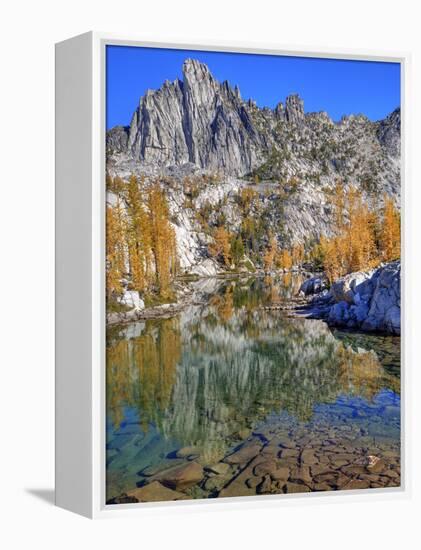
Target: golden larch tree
353, 246
390, 231
285, 259
162, 238
270, 253
139, 238
115, 248
297, 254
221, 246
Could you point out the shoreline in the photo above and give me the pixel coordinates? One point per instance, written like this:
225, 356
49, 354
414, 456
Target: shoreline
258, 452
352, 302
166, 310
365, 301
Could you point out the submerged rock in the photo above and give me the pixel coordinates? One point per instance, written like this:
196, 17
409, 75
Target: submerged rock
183, 476
215, 483
155, 492
185, 452
291, 487
265, 486
220, 468
244, 455
123, 499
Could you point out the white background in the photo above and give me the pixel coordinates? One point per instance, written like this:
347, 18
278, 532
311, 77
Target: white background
28, 32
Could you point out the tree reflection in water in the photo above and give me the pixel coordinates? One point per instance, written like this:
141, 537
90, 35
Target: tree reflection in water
207, 377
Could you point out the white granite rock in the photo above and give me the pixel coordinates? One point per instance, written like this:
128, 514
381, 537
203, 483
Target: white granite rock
131, 299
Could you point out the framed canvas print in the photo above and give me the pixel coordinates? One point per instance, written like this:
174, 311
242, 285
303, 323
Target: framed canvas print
229, 243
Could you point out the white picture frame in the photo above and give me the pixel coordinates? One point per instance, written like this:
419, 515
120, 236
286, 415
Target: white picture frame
80, 278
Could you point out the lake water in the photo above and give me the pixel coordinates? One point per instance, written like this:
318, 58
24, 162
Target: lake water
226, 375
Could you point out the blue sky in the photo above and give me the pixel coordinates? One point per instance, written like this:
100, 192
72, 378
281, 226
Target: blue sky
336, 86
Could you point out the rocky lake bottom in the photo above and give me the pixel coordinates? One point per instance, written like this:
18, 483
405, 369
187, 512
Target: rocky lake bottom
230, 398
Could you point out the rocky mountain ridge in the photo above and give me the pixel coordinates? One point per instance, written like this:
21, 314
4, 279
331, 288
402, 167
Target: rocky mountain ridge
200, 121
208, 146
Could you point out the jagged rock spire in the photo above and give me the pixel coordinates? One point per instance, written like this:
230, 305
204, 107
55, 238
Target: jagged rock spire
294, 109
198, 120
202, 121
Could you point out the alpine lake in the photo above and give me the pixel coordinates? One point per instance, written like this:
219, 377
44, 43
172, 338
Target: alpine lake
229, 398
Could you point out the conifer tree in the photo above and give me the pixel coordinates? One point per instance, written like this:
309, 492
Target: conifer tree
297, 254
139, 237
162, 239
115, 249
354, 245
285, 259
237, 248
390, 231
221, 246
270, 254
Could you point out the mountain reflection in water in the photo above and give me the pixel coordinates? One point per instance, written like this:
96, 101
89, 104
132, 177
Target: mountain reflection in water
207, 377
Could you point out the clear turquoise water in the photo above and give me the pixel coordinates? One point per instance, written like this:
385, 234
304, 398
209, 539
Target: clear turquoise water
223, 370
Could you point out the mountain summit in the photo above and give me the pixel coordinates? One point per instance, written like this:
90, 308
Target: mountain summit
201, 121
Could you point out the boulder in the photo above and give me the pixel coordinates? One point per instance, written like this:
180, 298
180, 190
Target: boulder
155, 492
185, 452
289, 453
240, 485
339, 313
182, 477
220, 468
291, 487
265, 486
313, 285
215, 483
280, 474
357, 484
132, 300
385, 306
244, 454
369, 301
308, 457
253, 482
352, 288
265, 467
301, 474
123, 499
207, 268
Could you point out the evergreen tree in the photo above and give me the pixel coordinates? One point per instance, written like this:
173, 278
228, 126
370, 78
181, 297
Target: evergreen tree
237, 249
